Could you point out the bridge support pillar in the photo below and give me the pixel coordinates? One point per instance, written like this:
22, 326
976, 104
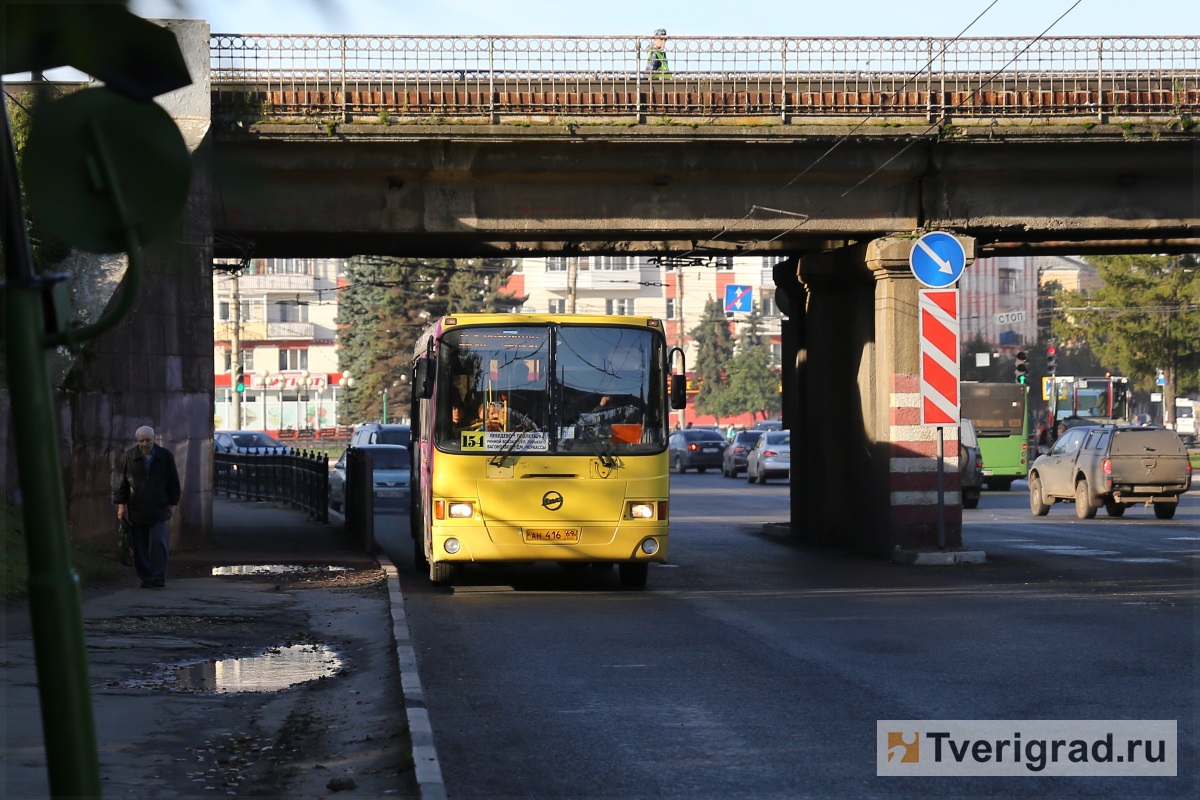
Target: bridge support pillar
865, 475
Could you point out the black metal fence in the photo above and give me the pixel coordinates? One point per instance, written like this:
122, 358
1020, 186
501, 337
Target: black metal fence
300, 478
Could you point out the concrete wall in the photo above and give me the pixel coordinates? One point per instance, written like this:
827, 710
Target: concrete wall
155, 367
864, 469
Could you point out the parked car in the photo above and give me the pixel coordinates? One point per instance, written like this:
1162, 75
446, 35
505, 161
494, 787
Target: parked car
378, 433
696, 448
771, 457
733, 462
970, 464
247, 442
1114, 466
392, 477
768, 425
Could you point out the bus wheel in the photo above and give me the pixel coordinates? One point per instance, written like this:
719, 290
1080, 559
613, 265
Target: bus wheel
633, 576
999, 484
441, 572
418, 553
1164, 510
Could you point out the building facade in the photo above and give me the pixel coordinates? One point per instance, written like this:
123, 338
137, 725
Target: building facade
644, 286
284, 315
286, 309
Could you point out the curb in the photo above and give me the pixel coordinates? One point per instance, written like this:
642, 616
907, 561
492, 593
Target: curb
425, 760
938, 558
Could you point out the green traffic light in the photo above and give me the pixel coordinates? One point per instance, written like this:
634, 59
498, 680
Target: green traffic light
1021, 379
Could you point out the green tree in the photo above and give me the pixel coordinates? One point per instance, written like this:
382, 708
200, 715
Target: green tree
385, 306
753, 383
1145, 316
714, 351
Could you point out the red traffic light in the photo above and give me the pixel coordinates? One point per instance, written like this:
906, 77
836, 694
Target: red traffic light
1051, 350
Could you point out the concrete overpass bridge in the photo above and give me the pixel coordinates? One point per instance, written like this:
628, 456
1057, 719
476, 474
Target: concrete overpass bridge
832, 153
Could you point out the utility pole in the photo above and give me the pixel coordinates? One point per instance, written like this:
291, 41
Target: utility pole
572, 279
235, 344
682, 328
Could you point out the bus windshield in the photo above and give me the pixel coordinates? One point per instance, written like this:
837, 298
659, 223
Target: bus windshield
997, 409
547, 389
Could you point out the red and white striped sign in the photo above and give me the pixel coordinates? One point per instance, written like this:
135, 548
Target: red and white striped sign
938, 309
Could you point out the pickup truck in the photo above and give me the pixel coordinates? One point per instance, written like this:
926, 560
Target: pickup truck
1114, 466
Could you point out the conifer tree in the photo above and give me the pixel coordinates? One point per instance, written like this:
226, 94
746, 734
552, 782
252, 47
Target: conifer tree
387, 303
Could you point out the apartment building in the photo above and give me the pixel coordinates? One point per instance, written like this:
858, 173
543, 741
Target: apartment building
284, 316
645, 286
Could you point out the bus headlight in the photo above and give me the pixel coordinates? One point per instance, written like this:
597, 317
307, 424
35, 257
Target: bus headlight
649, 546
452, 546
461, 511
641, 510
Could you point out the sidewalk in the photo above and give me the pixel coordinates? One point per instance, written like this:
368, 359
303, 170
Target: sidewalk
185, 679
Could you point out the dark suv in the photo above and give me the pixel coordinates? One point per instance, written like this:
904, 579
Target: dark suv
698, 448
734, 461
378, 433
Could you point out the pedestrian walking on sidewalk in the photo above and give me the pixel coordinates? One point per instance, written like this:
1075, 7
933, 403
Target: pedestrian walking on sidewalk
145, 489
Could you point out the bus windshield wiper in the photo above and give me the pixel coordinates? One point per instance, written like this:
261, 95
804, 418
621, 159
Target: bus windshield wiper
607, 459
514, 439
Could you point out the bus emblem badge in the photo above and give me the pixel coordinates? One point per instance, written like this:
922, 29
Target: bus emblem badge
552, 501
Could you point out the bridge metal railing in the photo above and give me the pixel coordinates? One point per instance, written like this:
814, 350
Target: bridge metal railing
491, 76
300, 478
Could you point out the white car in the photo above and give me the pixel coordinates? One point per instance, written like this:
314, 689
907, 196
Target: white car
771, 457
392, 477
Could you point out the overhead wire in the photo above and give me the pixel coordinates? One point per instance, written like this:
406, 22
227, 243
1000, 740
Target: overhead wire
916, 139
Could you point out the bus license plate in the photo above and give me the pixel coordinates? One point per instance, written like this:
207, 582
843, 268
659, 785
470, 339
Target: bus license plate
552, 535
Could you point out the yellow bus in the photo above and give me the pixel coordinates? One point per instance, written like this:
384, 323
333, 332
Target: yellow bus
542, 438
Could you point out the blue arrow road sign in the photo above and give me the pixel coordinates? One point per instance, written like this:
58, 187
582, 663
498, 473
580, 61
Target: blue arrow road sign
738, 298
937, 259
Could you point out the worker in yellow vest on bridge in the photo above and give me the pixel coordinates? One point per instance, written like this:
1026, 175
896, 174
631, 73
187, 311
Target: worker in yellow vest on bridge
656, 64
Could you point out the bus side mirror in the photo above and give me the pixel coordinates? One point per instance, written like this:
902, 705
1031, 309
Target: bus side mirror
678, 392
423, 378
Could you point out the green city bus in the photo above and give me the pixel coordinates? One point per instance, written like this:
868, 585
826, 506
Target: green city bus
1000, 412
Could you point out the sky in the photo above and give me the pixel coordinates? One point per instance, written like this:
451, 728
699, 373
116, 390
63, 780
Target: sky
687, 17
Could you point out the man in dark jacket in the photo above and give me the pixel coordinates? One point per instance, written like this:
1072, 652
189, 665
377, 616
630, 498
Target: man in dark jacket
145, 489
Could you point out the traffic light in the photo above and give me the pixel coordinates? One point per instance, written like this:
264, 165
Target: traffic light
1022, 368
1051, 360
239, 380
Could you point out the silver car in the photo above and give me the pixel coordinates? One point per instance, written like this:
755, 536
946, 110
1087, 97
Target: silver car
392, 477
970, 464
771, 457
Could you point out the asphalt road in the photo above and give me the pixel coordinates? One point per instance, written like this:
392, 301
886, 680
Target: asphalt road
751, 667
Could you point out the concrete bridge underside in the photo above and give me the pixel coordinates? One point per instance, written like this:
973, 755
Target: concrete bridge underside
831, 198
473, 191
832, 204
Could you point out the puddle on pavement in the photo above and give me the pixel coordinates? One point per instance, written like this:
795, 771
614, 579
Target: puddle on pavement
273, 670
278, 569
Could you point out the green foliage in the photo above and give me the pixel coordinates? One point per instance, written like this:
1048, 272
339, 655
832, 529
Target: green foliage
1145, 316
47, 250
753, 382
387, 304
714, 351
